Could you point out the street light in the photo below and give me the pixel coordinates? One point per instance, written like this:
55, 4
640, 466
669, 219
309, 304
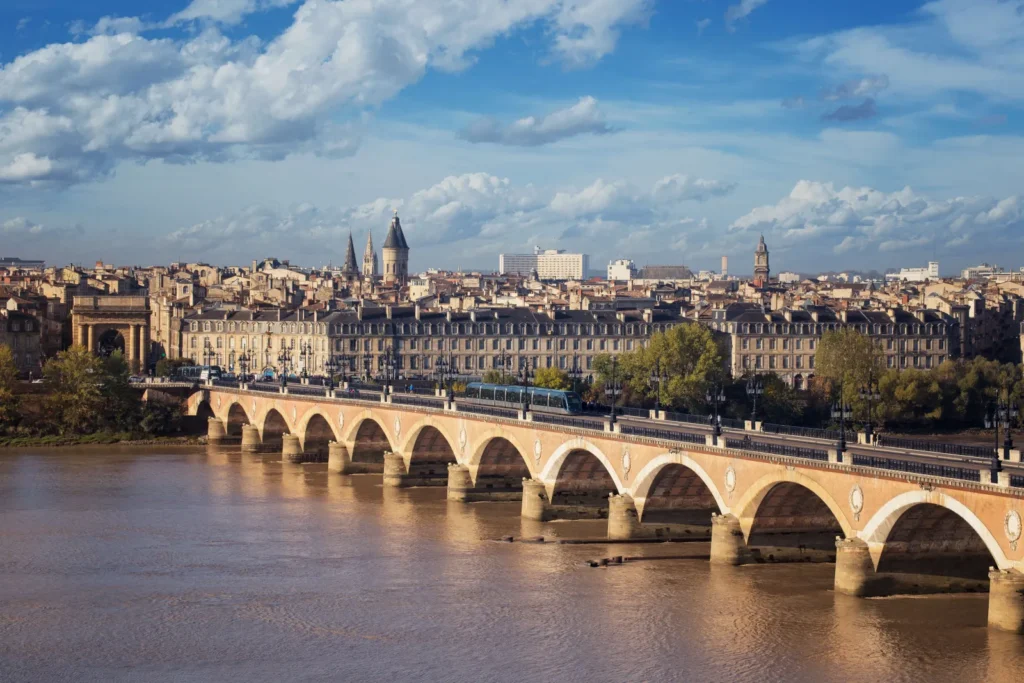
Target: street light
841, 411
615, 388
524, 380
282, 360
243, 365
390, 366
716, 397
575, 372
656, 378
1002, 413
208, 352
870, 394
755, 389
306, 350
330, 365
505, 361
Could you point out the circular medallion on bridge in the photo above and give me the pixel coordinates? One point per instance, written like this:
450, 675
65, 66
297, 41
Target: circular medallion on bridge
627, 462
856, 501
398, 426
730, 479
1012, 526
536, 451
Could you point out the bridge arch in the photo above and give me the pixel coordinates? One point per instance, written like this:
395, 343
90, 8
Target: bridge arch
498, 463
429, 436
235, 418
580, 475
753, 499
273, 428
368, 440
315, 434
204, 411
675, 485
939, 519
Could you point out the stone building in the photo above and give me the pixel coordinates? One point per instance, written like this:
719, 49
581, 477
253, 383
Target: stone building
396, 254
21, 332
784, 342
476, 341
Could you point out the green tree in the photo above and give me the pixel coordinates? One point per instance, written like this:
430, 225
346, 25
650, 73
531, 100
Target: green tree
780, 403
552, 378
73, 381
688, 358
10, 403
122, 404
493, 377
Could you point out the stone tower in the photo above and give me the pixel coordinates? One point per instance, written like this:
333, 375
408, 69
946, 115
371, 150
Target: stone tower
761, 270
396, 254
370, 269
350, 270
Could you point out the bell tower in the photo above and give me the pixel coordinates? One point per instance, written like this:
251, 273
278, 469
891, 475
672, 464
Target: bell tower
762, 272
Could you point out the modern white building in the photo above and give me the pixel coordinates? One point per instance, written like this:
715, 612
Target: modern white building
982, 272
788, 278
622, 270
550, 264
916, 274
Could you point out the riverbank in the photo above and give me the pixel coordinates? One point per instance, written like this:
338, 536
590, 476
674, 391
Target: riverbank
98, 439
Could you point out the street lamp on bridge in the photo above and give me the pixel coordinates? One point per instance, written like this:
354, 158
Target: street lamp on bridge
208, 352
614, 390
243, 365
575, 372
525, 375
716, 397
283, 361
755, 389
390, 360
870, 394
306, 351
657, 378
842, 411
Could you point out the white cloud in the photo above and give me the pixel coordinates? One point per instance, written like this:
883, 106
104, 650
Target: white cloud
467, 214
128, 97
23, 23
741, 10
225, 11
702, 25
579, 119
683, 187
816, 216
856, 88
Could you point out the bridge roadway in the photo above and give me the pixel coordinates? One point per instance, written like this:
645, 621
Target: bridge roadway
939, 527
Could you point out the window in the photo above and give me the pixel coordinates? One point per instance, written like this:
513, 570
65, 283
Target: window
746, 343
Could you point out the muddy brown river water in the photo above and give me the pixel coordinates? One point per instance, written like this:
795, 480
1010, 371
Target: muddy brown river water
183, 565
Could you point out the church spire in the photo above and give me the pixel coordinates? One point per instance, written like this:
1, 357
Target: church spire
350, 269
369, 258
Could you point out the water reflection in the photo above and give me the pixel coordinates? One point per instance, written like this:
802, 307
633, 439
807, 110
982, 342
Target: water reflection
159, 565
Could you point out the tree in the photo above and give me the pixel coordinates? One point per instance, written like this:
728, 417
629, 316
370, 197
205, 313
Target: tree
73, 381
122, 405
9, 400
493, 377
552, 378
165, 367
779, 403
851, 359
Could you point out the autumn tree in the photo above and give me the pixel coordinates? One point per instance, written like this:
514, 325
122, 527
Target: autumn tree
552, 378
9, 401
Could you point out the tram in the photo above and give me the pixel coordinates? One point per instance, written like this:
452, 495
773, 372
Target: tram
511, 396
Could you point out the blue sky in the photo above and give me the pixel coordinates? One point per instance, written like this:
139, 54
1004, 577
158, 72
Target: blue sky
852, 134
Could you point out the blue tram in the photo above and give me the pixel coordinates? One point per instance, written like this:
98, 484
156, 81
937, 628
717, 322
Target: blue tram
511, 396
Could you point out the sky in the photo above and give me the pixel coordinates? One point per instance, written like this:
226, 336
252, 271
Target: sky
853, 134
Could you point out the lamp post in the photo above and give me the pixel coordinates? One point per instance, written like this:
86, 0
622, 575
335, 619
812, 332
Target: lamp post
306, 350
524, 381
870, 394
207, 352
755, 389
575, 372
389, 369
614, 388
330, 365
282, 361
841, 411
243, 365
656, 378
716, 397
1002, 413
504, 361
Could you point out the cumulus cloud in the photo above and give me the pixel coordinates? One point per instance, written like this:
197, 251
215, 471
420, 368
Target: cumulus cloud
468, 213
816, 216
72, 112
579, 119
852, 112
740, 10
857, 88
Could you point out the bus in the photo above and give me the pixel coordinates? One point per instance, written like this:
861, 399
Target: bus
511, 396
199, 373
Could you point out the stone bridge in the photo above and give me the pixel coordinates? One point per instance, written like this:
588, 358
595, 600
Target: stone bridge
888, 532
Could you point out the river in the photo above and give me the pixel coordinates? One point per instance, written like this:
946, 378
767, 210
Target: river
182, 565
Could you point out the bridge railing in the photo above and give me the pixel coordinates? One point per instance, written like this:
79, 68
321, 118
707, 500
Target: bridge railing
704, 420
886, 441
411, 400
305, 390
805, 432
509, 413
748, 444
664, 434
916, 467
266, 387
567, 421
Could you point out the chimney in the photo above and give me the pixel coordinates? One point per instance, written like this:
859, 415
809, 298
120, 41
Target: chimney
448, 315
648, 315
787, 314
359, 310
417, 311
472, 315
620, 316
844, 315
387, 311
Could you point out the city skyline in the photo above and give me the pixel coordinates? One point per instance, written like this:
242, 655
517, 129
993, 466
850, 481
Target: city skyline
661, 132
